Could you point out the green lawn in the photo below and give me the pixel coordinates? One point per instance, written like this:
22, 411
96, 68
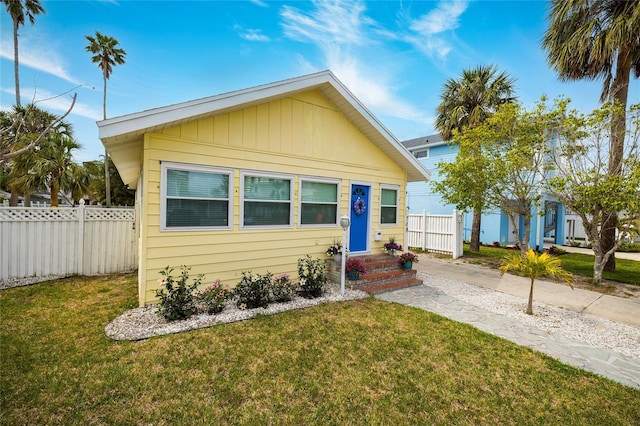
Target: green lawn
363, 362
627, 271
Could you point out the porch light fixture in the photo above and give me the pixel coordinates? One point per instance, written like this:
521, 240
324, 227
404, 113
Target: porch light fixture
344, 223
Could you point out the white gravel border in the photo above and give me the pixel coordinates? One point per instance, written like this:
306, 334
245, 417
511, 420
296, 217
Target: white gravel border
142, 323
20, 282
595, 331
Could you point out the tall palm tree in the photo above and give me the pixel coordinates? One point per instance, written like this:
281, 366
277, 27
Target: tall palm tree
467, 102
19, 10
106, 54
598, 39
535, 265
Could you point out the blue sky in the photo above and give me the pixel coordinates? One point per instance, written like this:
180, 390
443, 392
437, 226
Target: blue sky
395, 56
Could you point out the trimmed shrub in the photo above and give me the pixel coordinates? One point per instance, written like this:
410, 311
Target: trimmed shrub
313, 276
213, 297
177, 300
253, 291
282, 288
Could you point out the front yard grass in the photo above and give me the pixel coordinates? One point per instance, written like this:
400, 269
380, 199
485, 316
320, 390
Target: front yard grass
627, 271
362, 362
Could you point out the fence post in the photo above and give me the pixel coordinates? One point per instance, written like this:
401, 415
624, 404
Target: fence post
456, 244
80, 245
423, 227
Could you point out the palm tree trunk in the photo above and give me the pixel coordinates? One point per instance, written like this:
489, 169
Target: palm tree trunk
54, 193
619, 94
474, 244
107, 177
13, 199
530, 303
16, 65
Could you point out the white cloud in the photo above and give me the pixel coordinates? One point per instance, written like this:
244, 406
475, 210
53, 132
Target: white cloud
37, 55
340, 30
330, 22
254, 35
445, 17
259, 3
372, 88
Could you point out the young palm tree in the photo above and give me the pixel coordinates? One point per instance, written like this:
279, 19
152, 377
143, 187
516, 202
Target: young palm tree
467, 102
19, 10
106, 54
49, 165
55, 161
598, 39
534, 265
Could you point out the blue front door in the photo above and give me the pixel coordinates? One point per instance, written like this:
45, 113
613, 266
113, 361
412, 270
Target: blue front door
359, 232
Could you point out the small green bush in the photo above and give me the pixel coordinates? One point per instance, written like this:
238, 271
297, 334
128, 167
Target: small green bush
213, 297
313, 276
630, 247
282, 288
177, 299
253, 291
556, 251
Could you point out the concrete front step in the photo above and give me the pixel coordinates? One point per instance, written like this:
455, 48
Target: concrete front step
383, 274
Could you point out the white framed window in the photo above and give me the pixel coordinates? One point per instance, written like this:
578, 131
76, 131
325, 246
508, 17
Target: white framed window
318, 201
389, 204
195, 197
266, 200
421, 153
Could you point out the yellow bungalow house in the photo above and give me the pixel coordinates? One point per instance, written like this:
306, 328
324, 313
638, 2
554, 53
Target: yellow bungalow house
254, 179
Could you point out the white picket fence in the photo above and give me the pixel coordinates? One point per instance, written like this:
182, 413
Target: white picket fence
436, 233
39, 241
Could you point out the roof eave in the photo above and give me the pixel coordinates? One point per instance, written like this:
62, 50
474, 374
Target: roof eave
125, 133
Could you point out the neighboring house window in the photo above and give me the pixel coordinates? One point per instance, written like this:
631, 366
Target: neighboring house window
318, 202
389, 205
194, 197
421, 153
266, 200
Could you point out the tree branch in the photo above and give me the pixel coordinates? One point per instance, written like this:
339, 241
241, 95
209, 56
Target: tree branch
6, 156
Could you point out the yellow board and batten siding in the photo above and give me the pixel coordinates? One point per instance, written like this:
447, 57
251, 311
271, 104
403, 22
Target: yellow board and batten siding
300, 136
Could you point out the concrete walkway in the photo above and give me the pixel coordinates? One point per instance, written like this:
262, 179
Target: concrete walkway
607, 363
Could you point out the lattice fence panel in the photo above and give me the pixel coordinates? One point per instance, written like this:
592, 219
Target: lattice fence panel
62, 241
109, 214
37, 214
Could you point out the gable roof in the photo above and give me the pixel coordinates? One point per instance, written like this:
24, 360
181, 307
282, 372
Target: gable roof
123, 136
424, 141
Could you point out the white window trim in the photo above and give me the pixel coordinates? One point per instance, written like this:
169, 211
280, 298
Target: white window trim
337, 182
427, 150
253, 173
164, 166
397, 189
